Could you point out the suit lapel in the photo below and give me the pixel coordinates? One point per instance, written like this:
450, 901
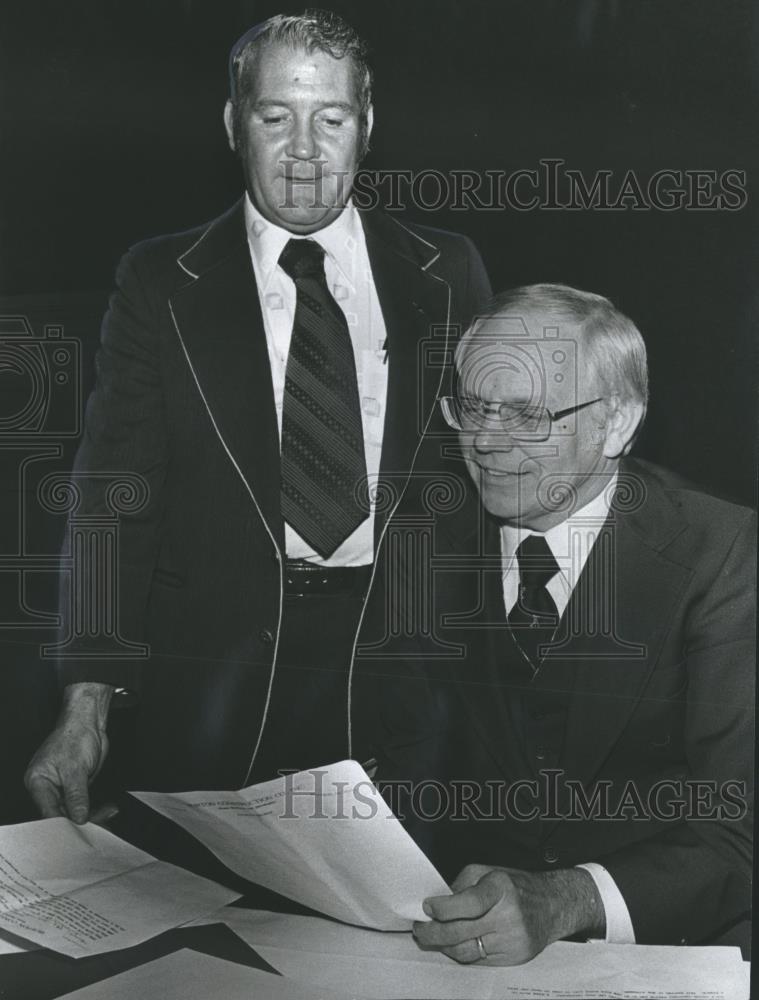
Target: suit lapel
616, 622
413, 302
604, 652
218, 320
475, 598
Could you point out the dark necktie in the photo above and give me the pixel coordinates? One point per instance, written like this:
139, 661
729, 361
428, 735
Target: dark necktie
323, 461
534, 617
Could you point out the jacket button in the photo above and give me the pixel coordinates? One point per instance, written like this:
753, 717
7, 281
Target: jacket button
266, 636
550, 856
540, 753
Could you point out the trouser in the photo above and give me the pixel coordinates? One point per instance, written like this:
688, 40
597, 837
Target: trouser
307, 718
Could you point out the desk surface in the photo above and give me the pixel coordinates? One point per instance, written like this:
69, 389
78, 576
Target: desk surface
45, 975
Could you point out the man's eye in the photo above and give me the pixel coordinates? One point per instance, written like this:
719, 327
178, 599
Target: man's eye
334, 122
473, 406
272, 117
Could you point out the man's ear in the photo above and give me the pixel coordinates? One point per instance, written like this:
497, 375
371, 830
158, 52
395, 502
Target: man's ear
229, 124
622, 420
369, 121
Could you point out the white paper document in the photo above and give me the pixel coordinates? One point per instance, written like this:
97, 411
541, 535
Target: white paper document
390, 966
190, 975
80, 890
325, 838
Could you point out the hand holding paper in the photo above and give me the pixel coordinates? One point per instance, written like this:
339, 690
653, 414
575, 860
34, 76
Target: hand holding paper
514, 914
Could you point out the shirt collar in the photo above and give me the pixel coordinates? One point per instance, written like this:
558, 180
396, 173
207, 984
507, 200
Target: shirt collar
589, 518
340, 240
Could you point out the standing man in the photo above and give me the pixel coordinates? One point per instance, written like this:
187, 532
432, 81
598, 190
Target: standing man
594, 742
262, 374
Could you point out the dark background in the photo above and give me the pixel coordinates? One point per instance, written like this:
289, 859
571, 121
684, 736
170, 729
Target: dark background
111, 116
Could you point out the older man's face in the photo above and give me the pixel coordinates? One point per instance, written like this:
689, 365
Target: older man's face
299, 136
524, 481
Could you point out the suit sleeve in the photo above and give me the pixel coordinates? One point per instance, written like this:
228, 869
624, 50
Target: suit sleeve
691, 882
121, 463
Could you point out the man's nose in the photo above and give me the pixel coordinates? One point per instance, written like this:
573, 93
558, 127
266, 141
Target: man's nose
303, 144
490, 437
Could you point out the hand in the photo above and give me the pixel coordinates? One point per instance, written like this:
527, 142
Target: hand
59, 774
515, 913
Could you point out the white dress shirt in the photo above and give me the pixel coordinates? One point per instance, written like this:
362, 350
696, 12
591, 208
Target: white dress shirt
349, 279
571, 543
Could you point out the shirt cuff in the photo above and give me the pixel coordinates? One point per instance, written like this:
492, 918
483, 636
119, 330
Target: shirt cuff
619, 928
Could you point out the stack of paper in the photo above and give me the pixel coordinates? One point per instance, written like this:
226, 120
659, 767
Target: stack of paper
386, 966
190, 975
80, 890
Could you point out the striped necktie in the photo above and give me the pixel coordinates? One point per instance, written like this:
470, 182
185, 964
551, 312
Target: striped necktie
323, 461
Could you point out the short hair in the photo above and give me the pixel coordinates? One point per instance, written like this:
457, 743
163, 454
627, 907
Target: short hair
611, 341
313, 30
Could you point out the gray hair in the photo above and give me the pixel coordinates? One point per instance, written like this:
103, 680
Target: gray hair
611, 341
313, 30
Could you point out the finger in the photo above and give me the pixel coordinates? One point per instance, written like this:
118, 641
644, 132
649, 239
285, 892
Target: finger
76, 800
470, 875
104, 814
466, 953
465, 950
46, 797
468, 904
103, 753
434, 936
430, 905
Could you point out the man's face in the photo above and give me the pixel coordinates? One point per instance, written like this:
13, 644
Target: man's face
299, 136
524, 482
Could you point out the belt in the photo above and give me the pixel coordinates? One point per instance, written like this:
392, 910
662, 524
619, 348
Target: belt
304, 579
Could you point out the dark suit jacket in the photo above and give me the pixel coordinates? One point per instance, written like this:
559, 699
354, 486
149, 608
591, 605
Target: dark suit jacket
663, 695
183, 404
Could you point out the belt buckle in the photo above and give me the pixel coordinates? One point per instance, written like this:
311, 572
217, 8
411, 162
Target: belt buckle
302, 580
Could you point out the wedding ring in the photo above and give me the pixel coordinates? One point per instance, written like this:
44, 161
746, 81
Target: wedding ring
481, 947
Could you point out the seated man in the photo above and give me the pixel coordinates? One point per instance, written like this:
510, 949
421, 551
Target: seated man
591, 747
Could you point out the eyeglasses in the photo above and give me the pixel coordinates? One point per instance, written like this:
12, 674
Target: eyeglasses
523, 423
